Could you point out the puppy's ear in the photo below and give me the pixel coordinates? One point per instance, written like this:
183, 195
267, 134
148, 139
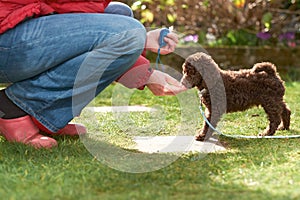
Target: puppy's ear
194, 63
206, 66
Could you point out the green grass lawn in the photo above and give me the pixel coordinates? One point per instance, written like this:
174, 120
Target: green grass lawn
248, 169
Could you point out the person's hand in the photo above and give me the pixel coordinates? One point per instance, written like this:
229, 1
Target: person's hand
152, 42
162, 84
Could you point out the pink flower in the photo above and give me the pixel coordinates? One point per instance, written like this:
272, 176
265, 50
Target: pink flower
292, 44
191, 38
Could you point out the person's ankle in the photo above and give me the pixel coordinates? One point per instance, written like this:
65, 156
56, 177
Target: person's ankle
8, 110
71, 129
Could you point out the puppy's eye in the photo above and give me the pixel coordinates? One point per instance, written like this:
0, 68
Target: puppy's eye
190, 71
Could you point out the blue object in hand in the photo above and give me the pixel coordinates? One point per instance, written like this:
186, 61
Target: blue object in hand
163, 33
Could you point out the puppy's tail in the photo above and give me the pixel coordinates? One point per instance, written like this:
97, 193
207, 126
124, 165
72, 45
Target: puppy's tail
267, 67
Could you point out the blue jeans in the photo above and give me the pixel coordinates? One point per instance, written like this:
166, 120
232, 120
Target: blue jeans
57, 64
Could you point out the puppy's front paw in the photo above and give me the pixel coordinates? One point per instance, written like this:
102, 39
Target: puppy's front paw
200, 135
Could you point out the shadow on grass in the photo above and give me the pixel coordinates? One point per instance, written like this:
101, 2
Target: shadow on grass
249, 169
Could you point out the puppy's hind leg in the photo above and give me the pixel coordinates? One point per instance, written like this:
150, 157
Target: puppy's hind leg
273, 111
285, 117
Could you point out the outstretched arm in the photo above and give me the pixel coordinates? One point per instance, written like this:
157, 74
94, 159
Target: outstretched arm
162, 84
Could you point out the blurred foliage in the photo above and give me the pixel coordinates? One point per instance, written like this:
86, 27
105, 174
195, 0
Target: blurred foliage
225, 22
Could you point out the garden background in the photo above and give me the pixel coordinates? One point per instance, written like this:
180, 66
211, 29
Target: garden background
237, 33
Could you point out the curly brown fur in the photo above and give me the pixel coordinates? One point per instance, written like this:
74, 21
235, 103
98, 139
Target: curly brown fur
243, 89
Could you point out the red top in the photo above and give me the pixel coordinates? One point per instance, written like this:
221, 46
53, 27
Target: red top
12, 12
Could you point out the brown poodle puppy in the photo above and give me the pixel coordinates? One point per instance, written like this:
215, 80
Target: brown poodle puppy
230, 91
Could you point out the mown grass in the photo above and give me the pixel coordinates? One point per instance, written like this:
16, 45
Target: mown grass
248, 169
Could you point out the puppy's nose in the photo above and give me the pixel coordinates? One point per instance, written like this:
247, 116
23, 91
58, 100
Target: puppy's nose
186, 83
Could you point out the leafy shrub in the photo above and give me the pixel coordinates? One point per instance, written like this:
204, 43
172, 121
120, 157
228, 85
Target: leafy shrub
225, 22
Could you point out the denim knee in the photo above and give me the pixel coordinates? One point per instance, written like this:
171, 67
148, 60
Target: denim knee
119, 9
135, 34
